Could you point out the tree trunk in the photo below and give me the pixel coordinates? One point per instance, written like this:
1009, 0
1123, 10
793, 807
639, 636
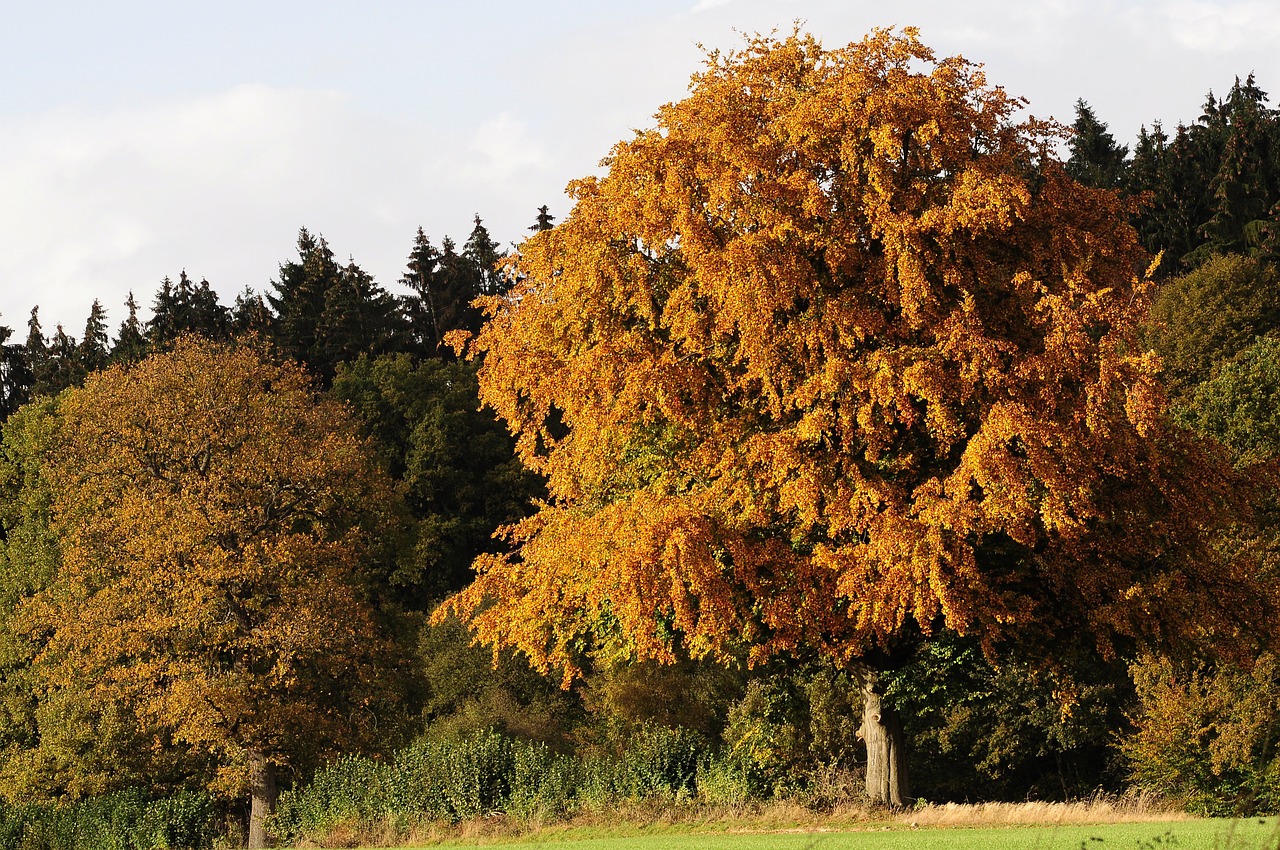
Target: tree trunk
886, 753
262, 798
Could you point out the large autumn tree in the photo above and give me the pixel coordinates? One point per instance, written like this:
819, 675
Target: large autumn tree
834, 357
217, 525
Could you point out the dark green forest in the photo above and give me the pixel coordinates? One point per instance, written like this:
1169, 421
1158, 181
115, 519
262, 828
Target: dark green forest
316, 688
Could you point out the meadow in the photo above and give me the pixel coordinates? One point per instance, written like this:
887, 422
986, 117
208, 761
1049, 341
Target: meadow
1206, 834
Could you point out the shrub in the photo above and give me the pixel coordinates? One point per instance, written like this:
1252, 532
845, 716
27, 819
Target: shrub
1208, 736
125, 820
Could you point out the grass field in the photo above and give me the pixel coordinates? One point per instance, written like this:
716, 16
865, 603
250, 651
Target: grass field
1220, 834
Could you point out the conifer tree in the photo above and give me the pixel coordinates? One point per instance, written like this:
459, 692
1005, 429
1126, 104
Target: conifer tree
299, 297
131, 340
1096, 160
37, 354
250, 315
483, 253
420, 308
162, 327
1246, 183
544, 220
94, 348
15, 377
360, 317
63, 365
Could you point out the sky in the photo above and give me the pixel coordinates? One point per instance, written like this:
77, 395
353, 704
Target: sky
141, 139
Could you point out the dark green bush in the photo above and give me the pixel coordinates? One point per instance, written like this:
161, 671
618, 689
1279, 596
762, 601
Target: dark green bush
125, 820
463, 778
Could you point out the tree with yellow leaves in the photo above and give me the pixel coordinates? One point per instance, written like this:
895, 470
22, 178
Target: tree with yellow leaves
836, 356
216, 521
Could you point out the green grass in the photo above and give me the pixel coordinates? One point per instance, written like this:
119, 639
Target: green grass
1216, 834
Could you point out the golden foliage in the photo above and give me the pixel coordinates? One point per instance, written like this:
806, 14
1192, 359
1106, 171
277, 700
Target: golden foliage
213, 516
836, 346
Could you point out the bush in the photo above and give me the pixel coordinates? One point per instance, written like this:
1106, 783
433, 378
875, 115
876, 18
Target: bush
449, 780
122, 821
1208, 736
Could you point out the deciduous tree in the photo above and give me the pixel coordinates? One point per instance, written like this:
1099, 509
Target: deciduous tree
217, 525
834, 356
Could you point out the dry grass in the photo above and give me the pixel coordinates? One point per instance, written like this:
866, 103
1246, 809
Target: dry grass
1139, 808
673, 817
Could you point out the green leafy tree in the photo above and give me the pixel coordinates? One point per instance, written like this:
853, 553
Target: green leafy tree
1240, 405
1205, 317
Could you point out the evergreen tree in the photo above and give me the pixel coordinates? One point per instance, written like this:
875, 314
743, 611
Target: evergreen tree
37, 351
131, 340
482, 251
1245, 186
420, 308
545, 218
461, 477
93, 351
444, 284
251, 315
15, 377
199, 311
460, 281
299, 297
65, 369
360, 317
1096, 160
163, 326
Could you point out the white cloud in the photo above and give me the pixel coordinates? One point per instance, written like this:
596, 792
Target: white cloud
96, 203
501, 147
704, 5
1210, 27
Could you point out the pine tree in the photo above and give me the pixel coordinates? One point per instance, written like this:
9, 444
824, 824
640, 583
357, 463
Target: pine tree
1096, 160
545, 218
461, 281
250, 315
37, 354
444, 284
65, 369
15, 377
420, 308
93, 351
1244, 188
482, 251
163, 327
131, 340
299, 297
360, 317
199, 311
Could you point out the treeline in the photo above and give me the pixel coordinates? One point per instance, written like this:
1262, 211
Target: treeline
410, 704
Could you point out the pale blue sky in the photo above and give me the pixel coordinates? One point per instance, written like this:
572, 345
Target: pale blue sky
141, 138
